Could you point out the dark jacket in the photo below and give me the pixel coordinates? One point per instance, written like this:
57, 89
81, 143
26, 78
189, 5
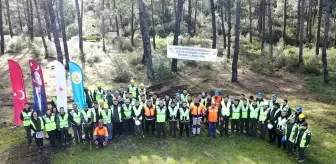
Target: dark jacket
38, 124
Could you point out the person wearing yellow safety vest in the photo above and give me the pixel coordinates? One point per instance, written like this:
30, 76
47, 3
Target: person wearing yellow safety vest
303, 139
245, 117
203, 98
50, 126
86, 117
254, 110
291, 131
63, 125
88, 96
242, 97
155, 99
142, 89
132, 88
161, 117
122, 92
172, 117
109, 98
184, 95
273, 114
137, 114
98, 93
301, 120
106, 116
53, 101
95, 110
117, 116
150, 114
36, 124
183, 115
25, 118
55, 112
76, 123
167, 101
285, 107
131, 99
280, 129
263, 119
120, 100
235, 112
142, 100
189, 101
225, 116
260, 99
273, 101
127, 121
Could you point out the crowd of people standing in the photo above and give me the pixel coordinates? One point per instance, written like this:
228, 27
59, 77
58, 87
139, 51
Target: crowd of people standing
133, 111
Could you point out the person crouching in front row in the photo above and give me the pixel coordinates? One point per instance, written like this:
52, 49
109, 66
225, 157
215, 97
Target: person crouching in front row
100, 135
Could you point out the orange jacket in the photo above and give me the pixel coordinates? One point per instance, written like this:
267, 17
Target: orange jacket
150, 112
197, 111
217, 100
212, 114
100, 131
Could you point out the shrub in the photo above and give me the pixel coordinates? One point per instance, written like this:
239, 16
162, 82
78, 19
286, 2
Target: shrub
16, 44
312, 65
289, 58
205, 65
161, 68
122, 75
190, 63
134, 59
71, 30
125, 45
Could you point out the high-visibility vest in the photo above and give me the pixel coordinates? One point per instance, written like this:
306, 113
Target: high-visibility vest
76, 117
143, 103
213, 114
281, 123
54, 100
184, 97
63, 122
293, 133
169, 102
173, 111
235, 112
137, 111
260, 103
184, 115
149, 111
41, 122
106, 116
254, 111
132, 89
119, 112
26, 118
190, 103
93, 111
99, 94
225, 108
216, 100
244, 108
304, 138
284, 107
276, 112
156, 101
50, 123
197, 110
86, 114
142, 91
127, 110
123, 95
270, 104
263, 114
203, 101
161, 114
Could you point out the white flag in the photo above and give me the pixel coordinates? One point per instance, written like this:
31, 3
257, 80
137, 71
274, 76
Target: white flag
61, 90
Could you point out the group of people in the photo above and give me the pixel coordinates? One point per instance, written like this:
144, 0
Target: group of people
133, 111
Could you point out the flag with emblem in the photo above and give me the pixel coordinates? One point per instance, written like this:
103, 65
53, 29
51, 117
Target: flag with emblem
18, 89
61, 90
76, 76
40, 100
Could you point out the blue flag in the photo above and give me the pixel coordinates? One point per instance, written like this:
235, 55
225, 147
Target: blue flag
77, 83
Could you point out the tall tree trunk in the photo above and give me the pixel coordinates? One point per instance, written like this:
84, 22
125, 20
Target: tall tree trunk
30, 16
310, 18
116, 17
25, 13
195, 22
213, 18
177, 31
103, 24
82, 10
189, 19
41, 31
55, 31
163, 11
236, 46
325, 44
9, 19
284, 23
65, 45
19, 14
57, 13
229, 30
222, 21
319, 20
298, 23
301, 32
263, 24
260, 15
250, 19
153, 25
132, 24
146, 40
270, 26
175, 8
2, 38
80, 27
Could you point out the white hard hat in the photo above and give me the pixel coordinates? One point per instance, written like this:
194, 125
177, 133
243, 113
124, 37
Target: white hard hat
137, 122
265, 103
270, 126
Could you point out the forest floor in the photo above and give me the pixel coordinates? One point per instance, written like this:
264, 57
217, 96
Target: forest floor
301, 90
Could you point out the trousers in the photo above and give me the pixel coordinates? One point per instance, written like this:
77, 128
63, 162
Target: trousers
160, 126
128, 126
196, 125
138, 128
263, 130
244, 125
172, 128
77, 130
253, 127
28, 134
52, 137
151, 124
224, 127
212, 129
234, 125
109, 130
64, 135
184, 125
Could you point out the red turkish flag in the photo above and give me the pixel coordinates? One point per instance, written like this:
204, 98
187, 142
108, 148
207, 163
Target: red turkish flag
18, 89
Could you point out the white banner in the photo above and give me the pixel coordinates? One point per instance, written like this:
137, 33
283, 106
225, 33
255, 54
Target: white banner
61, 90
192, 53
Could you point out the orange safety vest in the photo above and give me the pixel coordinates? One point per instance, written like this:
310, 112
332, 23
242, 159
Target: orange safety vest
149, 111
197, 110
213, 114
218, 100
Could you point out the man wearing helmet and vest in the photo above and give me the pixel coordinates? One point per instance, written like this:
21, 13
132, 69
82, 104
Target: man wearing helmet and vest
197, 111
273, 115
303, 140
172, 117
95, 113
235, 116
63, 125
100, 135
301, 120
150, 114
50, 126
128, 121
297, 113
291, 131
244, 120
137, 114
280, 127
117, 116
98, 93
225, 116
133, 89
25, 116
87, 122
184, 117
88, 96
142, 89
273, 101
260, 99
122, 92
241, 100
76, 123
254, 110
184, 95
106, 116
263, 119
216, 98
212, 116
161, 117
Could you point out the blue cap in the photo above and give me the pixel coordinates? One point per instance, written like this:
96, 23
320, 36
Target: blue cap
275, 96
85, 105
299, 109
216, 92
283, 140
177, 94
260, 94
